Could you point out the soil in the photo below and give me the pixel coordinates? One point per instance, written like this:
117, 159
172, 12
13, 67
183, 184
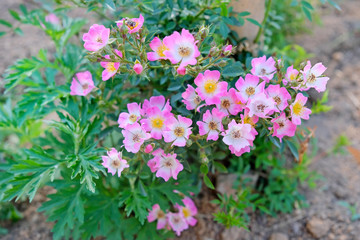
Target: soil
336, 43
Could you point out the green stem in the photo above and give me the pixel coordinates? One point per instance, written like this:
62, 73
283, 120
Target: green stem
261, 29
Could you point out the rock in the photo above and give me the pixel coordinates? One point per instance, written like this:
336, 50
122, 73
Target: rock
342, 237
235, 233
332, 236
278, 236
317, 227
338, 56
340, 193
296, 228
225, 183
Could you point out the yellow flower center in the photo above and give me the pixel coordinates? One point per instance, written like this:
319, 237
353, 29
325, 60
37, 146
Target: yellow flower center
248, 120
311, 78
131, 24
110, 67
212, 125
161, 49
184, 51
298, 108
133, 117
157, 122
179, 131
186, 212
210, 86
293, 76
250, 91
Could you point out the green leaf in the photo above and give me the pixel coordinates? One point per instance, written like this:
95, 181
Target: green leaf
14, 14
292, 148
233, 70
253, 21
204, 169
5, 23
208, 183
2, 34
243, 14
139, 205
220, 167
224, 29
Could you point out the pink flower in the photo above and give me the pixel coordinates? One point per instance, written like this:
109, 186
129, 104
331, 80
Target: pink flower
158, 50
168, 166
149, 148
134, 136
82, 84
209, 88
157, 101
241, 152
245, 118
211, 124
157, 214
155, 122
313, 76
291, 75
96, 38
114, 162
130, 118
227, 50
238, 135
263, 68
181, 48
249, 87
280, 95
133, 24
191, 98
178, 131
111, 68
154, 163
260, 105
229, 103
188, 211
298, 110
283, 127
52, 18
177, 222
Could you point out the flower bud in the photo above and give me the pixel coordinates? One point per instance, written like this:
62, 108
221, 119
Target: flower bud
138, 68
181, 70
149, 148
214, 51
222, 63
204, 31
227, 50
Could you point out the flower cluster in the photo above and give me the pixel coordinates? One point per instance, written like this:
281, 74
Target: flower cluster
177, 221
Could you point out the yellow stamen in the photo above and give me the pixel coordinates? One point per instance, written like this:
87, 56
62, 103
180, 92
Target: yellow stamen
186, 212
157, 123
298, 108
210, 86
110, 67
161, 49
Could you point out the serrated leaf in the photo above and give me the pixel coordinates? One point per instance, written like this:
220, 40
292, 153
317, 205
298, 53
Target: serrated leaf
207, 182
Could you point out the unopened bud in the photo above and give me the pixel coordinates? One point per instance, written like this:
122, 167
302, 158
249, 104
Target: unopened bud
214, 51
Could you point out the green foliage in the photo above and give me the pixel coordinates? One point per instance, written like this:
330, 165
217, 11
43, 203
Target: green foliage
320, 105
340, 146
352, 209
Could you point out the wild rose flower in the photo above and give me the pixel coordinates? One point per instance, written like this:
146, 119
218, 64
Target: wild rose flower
298, 110
134, 136
249, 87
138, 68
158, 48
168, 166
241, 152
177, 222
283, 127
154, 163
111, 68
132, 117
188, 211
291, 75
263, 68
211, 124
157, 214
178, 131
238, 135
209, 88
229, 103
157, 101
52, 18
133, 24
155, 123
191, 98
245, 118
114, 162
280, 95
181, 48
82, 84
261, 105
227, 50
96, 38
313, 76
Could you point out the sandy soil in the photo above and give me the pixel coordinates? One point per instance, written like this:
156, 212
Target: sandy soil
337, 44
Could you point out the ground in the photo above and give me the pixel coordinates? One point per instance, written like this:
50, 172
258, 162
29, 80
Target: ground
336, 43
